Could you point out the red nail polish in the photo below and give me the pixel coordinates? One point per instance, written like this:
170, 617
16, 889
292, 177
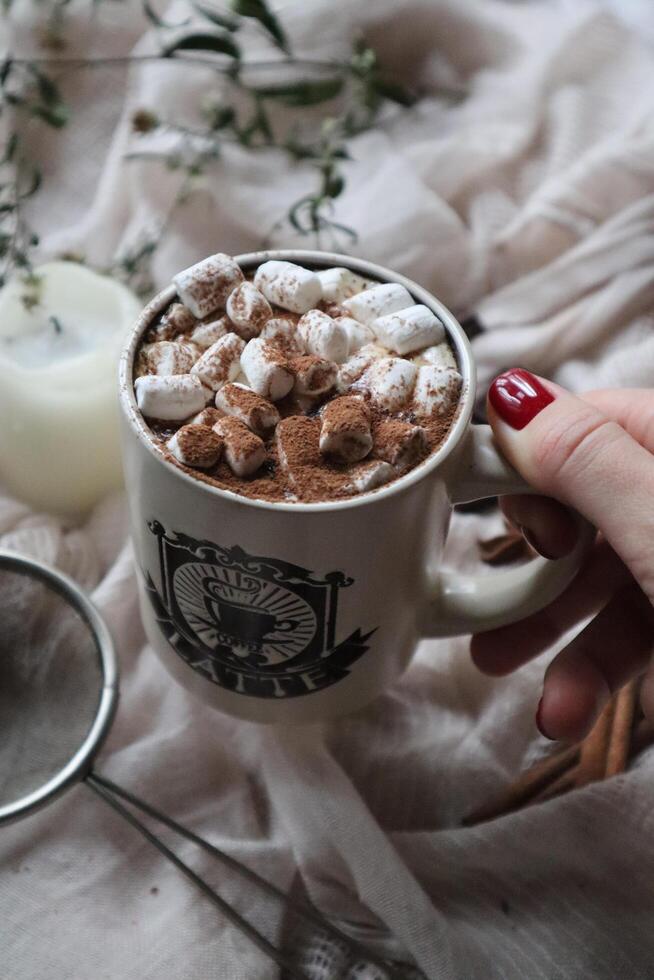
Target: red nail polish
539, 721
517, 396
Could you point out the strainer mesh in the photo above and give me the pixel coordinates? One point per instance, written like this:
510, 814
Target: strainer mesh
50, 683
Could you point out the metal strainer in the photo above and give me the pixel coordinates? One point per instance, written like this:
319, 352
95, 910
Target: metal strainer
58, 696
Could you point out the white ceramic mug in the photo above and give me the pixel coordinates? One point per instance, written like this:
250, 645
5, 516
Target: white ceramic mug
296, 612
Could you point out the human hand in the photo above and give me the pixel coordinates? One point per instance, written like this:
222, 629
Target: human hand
594, 453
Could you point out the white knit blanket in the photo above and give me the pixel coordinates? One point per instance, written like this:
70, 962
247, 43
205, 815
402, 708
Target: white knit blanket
530, 201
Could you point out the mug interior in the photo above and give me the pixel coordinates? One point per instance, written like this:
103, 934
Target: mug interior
313, 260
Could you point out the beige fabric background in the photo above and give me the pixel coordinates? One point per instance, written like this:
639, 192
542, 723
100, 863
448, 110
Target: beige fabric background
531, 202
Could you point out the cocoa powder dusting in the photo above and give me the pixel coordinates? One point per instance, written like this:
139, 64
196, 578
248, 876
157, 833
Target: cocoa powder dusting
398, 442
236, 434
312, 478
208, 416
199, 444
307, 474
347, 414
245, 399
177, 319
303, 363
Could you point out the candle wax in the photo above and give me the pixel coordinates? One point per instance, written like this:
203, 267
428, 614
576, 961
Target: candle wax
58, 389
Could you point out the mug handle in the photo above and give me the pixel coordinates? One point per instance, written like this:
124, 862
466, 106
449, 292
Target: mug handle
459, 603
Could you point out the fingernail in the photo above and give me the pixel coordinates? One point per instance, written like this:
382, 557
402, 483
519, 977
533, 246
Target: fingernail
532, 541
517, 396
539, 721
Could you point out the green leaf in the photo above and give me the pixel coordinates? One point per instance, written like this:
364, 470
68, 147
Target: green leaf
52, 109
219, 117
10, 148
259, 10
5, 70
307, 92
334, 186
204, 42
48, 90
33, 187
56, 115
221, 20
158, 21
394, 92
364, 59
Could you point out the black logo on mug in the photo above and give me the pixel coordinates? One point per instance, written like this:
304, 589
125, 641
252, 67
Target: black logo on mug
256, 626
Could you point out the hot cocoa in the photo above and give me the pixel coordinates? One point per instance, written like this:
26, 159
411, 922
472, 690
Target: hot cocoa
292, 384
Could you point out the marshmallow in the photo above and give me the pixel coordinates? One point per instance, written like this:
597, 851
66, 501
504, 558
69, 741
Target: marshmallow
399, 443
353, 368
390, 382
387, 297
196, 445
248, 309
281, 331
266, 369
220, 363
358, 334
441, 356
296, 441
169, 357
409, 330
242, 403
244, 451
435, 390
288, 285
323, 336
175, 320
206, 334
205, 286
314, 376
369, 476
345, 431
338, 284
171, 397
208, 416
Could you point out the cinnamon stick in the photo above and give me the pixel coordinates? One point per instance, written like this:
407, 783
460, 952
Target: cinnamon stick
565, 782
617, 755
526, 786
594, 748
614, 740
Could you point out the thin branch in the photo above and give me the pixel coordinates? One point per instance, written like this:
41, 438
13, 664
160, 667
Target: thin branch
75, 63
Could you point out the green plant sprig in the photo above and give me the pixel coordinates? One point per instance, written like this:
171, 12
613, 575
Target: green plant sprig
350, 96
17, 240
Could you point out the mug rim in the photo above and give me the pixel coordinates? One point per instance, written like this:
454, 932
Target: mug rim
313, 259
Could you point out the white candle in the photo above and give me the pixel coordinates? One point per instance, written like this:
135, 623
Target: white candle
58, 388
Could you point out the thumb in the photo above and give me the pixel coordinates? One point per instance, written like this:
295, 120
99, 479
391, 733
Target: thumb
568, 449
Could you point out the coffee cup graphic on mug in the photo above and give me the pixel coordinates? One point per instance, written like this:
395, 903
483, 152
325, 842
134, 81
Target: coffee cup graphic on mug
285, 611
